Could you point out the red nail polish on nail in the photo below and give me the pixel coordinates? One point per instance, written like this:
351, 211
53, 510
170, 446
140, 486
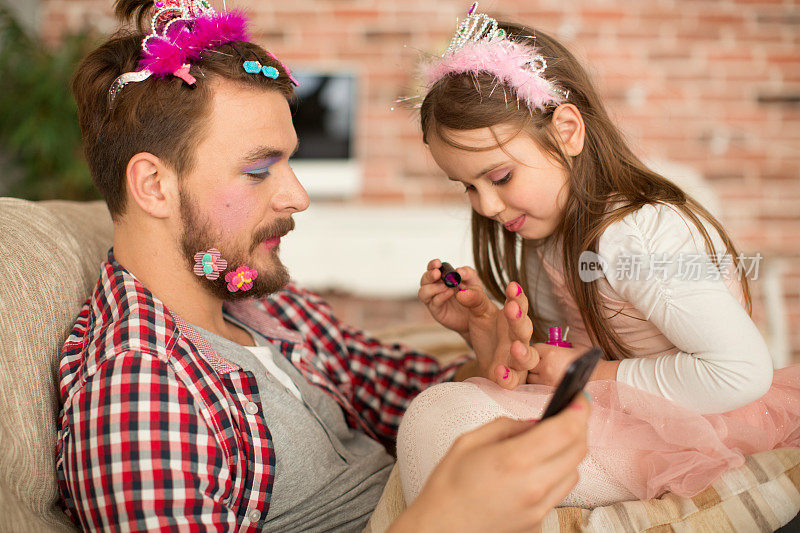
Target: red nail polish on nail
506, 373
461, 290
519, 289
519, 313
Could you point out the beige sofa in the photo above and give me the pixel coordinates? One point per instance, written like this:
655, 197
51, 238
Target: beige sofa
51, 252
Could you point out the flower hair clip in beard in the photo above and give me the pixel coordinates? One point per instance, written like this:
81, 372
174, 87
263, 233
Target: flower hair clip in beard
480, 46
181, 31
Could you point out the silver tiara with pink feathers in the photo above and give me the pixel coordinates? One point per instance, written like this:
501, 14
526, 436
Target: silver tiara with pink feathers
479, 45
181, 30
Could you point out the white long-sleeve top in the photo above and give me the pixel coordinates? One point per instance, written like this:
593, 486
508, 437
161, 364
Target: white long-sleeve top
710, 356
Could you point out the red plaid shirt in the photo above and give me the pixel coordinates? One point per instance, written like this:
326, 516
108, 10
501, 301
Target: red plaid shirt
158, 431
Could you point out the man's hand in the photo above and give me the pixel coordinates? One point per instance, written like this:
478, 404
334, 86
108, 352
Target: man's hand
503, 476
554, 361
502, 345
508, 342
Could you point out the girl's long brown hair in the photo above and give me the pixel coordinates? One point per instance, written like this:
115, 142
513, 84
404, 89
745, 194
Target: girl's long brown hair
605, 173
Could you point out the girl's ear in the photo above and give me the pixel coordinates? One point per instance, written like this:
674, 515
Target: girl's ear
568, 123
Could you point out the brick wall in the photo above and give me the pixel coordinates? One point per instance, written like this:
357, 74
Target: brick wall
712, 84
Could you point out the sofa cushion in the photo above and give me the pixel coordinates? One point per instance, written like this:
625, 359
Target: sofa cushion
762, 495
51, 254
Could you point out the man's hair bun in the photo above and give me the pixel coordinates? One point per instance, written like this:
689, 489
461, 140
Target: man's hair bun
134, 11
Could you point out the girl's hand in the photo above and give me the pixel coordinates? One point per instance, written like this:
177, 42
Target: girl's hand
553, 363
454, 308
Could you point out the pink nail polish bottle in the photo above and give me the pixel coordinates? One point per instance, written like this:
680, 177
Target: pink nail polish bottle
554, 338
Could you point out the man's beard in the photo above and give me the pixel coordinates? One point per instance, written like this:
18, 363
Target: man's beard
198, 235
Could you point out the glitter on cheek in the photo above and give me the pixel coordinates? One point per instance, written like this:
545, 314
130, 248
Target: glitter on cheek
233, 208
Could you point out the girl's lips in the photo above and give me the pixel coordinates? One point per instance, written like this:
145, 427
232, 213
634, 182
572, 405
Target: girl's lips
272, 243
515, 224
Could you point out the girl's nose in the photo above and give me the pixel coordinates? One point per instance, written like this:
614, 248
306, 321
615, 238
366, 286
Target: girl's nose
490, 204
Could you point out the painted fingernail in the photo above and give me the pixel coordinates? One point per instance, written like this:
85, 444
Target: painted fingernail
506, 373
588, 396
519, 313
461, 290
519, 289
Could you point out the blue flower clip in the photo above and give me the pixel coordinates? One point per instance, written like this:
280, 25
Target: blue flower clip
254, 67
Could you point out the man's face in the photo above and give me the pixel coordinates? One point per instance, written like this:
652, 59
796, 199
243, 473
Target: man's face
242, 192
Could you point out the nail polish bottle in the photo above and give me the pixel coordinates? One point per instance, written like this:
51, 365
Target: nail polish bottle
450, 277
554, 338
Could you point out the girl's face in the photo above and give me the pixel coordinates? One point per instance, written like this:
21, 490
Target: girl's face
518, 185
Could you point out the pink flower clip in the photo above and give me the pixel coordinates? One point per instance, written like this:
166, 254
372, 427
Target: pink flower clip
241, 279
209, 264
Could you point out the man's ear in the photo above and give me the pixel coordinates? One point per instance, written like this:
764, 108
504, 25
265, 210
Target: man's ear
150, 184
568, 123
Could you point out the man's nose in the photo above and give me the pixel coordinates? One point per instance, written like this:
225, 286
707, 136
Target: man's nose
292, 196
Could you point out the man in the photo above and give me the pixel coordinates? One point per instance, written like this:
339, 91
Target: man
202, 390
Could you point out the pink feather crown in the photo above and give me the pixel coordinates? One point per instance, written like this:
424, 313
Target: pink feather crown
181, 31
480, 46
179, 38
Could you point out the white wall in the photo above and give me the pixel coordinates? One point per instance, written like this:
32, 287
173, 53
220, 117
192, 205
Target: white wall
377, 251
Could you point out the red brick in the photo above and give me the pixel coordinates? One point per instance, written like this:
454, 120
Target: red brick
790, 58
595, 15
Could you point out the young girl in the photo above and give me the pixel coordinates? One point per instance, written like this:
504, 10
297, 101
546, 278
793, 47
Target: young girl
607, 247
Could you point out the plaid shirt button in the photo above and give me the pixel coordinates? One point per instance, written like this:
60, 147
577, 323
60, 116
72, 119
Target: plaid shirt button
251, 408
254, 515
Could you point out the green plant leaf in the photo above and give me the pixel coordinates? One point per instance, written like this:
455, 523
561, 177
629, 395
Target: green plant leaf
38, 116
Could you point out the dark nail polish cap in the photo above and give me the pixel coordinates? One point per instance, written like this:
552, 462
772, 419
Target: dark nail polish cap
450, 277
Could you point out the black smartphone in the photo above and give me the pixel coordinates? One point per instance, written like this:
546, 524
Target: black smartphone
573, 381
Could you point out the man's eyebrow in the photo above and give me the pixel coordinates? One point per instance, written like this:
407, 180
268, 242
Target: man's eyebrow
268, 152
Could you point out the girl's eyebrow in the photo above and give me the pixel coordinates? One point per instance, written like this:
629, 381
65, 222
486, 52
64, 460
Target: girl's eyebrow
488, 169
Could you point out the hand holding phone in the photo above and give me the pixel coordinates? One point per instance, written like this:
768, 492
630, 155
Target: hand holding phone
573, 382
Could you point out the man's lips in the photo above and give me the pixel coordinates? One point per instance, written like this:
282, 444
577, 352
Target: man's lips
271, 235
516, 224
272, 242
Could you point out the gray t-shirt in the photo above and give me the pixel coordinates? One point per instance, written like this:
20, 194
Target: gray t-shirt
328, 477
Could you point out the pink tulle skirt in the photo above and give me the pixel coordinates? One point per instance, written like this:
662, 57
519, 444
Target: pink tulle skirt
651, 445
